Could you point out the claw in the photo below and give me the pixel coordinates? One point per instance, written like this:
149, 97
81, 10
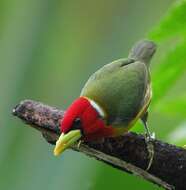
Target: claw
150, 149
79, 144
149, 141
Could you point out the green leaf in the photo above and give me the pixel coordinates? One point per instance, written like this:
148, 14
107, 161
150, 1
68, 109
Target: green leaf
169, 70
174, 107
173, 24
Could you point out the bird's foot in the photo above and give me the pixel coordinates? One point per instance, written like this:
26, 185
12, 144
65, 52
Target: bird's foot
150, 148
79, 144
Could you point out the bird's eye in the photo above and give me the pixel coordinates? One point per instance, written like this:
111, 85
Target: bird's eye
77, 125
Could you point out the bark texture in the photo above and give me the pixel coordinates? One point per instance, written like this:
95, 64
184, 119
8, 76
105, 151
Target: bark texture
127, 152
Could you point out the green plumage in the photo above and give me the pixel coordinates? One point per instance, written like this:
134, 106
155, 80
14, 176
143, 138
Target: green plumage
121, 87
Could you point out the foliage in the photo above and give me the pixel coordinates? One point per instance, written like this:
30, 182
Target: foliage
172, 66
169, 74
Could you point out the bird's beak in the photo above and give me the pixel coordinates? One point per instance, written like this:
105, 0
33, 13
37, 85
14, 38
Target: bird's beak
66, 140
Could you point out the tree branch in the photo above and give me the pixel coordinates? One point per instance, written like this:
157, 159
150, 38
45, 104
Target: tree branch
127, 152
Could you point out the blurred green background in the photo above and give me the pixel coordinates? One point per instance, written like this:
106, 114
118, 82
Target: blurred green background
48, 49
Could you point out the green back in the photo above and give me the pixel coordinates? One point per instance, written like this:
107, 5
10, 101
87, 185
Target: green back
119, 88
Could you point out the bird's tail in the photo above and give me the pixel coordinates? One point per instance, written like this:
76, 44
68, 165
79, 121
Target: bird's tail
143, 51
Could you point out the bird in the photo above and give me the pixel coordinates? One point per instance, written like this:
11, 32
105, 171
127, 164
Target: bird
111, 101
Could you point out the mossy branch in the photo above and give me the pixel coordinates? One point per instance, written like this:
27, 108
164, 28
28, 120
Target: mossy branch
128, 152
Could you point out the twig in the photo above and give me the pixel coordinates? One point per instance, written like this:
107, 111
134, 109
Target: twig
127, 152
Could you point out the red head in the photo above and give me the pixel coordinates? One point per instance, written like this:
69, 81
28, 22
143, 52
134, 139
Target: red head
82, 115
83, 119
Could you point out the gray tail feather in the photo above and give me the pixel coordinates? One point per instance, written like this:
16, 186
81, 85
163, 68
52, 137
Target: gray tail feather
143, 51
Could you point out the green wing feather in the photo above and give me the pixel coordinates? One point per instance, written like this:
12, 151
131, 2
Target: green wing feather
119, 88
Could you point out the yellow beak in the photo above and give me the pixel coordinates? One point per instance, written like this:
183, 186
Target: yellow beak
66, 140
